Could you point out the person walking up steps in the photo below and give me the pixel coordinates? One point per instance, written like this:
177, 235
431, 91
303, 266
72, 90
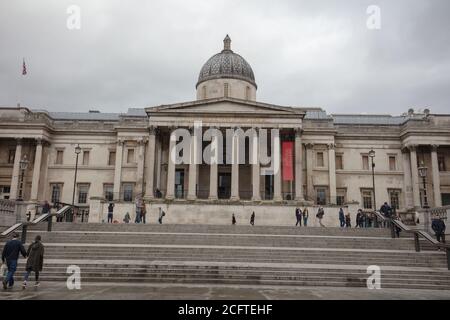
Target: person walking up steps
298, 215
35, 261
341, 218
233, 220
161, 215
252, 219
10, 255
319, 215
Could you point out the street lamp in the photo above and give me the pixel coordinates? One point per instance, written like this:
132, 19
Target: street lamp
423, 174
372, 155
23, 164
77, 152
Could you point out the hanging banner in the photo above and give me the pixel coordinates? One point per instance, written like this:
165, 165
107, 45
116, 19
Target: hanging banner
287, 160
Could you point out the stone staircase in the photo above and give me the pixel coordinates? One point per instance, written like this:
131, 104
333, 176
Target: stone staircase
209, 254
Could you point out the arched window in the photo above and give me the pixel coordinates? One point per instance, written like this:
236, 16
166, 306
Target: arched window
247, 93
225, 90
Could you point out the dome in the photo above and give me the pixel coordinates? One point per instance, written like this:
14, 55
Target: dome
226, 64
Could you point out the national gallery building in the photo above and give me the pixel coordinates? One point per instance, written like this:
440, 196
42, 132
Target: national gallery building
326, 159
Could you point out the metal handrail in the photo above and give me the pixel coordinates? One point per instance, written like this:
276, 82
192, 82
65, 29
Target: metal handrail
39, 219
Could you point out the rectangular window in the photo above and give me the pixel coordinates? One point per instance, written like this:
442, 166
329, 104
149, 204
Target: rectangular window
11, 156
394, 197
319, 160
441, 163
392, 163
367, 199
128, 192
130, 156
365, 162
56, 192
83, 191
85, 158
321, 196
340, 196
339, 163
109, 192
59, 156
112, 158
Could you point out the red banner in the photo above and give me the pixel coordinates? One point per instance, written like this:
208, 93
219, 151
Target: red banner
287, 160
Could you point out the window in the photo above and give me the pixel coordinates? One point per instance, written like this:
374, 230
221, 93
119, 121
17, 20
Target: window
247, 93
339, 164
367, 199
109, 192
340, 196
441, 163
204, 92
321, 196
128, 192
83, 190
394, 198
4, 192
11, 156
85, 158
112, 158
392, 163
56, 192
130, 156
59, 156
365, 162
319, 159
225, 90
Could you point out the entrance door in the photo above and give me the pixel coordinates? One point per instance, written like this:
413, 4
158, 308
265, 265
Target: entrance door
224, 187
179, 183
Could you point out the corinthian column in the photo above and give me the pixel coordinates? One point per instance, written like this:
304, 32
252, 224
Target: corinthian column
36, 171
235, 169
277, 195
309, 171
170, 193
140, 166
16, 171
118, 169
332, 172
298, 166
415, 175
150, 171
436, 177
256, 171
192, 187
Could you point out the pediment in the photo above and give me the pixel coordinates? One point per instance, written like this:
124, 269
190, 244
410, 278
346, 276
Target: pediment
224, 107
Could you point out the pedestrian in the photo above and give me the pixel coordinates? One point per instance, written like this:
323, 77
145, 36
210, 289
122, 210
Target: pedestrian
298, 215
143, 213
358, 219
161, 215
319, 215
10, 255
348, 223
233, 220
35, 261
386, 211
305, 214
438, 227
397, 229
110, 212
45, 207
138, 210
127, 218
252, 219
28, 216
341, 218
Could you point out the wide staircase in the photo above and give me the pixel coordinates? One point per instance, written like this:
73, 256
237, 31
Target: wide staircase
238, 255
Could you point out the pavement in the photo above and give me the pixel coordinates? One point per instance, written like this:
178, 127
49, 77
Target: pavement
124, 291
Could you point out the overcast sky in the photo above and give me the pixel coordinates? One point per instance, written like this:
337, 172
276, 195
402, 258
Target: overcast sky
138, 53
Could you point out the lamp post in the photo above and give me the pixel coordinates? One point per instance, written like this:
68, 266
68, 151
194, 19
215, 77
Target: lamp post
77, 152
23, 164
423, 174
372, 155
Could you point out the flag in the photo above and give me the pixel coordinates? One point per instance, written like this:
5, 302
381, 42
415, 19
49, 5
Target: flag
24, 68
287, 151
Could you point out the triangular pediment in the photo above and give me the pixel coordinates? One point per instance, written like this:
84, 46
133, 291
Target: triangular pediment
224, 106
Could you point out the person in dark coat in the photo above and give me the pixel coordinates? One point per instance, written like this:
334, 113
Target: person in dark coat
233, 220
341, 218
438, 227
348, 223
319, 215
10, 255
298, 215
358, 219
143, 213
35, 261
252, 219
110, 212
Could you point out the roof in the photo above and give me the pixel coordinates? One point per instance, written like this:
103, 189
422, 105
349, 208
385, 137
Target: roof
368, 119
94, 116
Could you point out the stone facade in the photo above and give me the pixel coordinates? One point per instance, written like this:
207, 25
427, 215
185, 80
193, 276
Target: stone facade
127, 155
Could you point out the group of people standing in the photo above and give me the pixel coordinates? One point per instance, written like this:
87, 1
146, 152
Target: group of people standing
10, 256
141, 213
301, 215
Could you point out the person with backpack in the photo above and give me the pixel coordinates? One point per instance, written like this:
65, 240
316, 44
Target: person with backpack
10, 255
35, 261
319, 215
161, 215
